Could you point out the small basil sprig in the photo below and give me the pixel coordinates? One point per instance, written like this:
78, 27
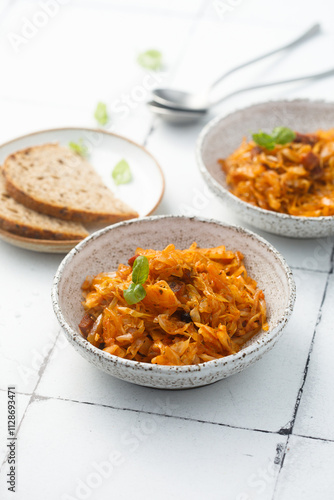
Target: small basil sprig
136, 292
280, 135
121, 173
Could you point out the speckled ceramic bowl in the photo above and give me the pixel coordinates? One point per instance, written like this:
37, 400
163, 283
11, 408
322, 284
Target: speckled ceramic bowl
105, 249
224, 134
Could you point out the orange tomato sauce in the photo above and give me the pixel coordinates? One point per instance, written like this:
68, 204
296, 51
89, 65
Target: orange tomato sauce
200, 305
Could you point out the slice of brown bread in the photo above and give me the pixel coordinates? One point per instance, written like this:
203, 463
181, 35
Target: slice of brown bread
18, 219
53, 180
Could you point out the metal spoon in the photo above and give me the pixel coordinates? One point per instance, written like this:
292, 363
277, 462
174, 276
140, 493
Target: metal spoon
189, 115
188, 101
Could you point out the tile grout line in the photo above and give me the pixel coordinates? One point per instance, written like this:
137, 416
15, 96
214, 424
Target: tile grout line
289, 431
314, 438
38, 397
332, 262
32, 396
153, 127
279, 456
321, 271
177, 417
319, 315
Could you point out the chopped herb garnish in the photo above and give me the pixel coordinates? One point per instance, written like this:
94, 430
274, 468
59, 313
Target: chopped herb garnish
79, 147
101, 114
136, 292
280, 135
151, 59
122, 173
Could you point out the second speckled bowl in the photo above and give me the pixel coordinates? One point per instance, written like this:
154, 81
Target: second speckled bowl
106, 249
224, 134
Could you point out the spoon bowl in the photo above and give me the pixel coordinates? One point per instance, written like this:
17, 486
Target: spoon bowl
180, 113
175, 115
181, 99
170, 104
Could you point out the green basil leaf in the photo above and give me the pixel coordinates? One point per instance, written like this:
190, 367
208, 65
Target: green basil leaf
280, 135
140, 270
264, 140
79, 147
101, 113
121, 173
283, 135
135, 293
151, 59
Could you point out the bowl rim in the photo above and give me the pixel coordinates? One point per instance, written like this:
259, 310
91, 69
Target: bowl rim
225, 192
77, 338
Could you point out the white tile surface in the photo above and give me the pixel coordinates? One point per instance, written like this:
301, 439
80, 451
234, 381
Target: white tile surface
25, 117
157, 457
4, 7
262, 397
308, 471
316, 411
27, 324
314, 255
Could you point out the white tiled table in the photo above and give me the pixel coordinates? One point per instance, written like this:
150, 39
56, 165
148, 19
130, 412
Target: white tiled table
266, 433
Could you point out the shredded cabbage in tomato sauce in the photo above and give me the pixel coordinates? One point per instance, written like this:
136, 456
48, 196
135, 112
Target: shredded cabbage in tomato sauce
296, 178
200, 305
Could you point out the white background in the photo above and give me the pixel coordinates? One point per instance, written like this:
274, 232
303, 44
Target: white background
266, 433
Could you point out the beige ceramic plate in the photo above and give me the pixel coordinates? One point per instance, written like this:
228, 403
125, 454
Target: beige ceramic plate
105, 249
224, 134
143, 193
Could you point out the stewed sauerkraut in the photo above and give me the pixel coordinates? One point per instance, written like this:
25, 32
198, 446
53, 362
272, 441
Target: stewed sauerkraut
200, 305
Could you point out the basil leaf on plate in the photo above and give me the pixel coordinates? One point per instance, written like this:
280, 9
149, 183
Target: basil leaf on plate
122, 173
79, 147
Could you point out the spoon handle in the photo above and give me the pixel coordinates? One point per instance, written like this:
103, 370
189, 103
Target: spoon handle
315, 76
314, 30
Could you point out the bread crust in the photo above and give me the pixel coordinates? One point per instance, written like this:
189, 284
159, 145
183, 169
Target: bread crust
64, 213
43, 205
38, 233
